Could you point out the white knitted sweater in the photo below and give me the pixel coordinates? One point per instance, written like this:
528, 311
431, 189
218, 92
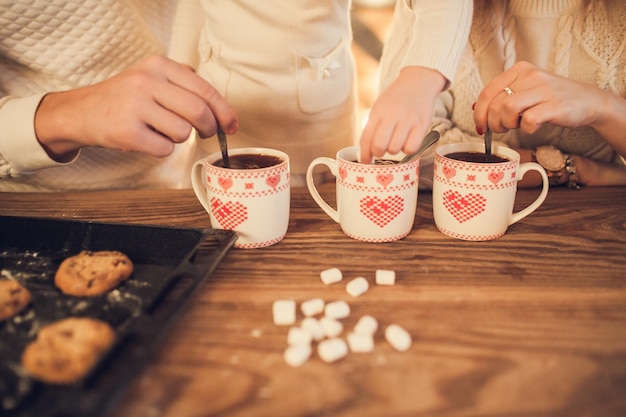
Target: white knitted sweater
581, 39
51, 45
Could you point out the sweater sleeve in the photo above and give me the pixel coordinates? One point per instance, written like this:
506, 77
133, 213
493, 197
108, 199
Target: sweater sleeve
426, 33
20, 151
186, 33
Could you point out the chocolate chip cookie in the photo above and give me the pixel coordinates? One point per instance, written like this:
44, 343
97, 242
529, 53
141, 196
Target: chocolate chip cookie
13, 298
65, 351
93, 273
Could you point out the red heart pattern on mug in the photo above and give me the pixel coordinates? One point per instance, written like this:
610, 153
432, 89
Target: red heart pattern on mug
381, 211
273, 181
229, 214
463, 207
448, 172
343, 173
225, 183
495, 176
384, 179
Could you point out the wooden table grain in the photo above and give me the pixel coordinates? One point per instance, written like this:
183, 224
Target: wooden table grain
530, 324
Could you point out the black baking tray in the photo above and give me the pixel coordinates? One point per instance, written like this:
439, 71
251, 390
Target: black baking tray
170, 264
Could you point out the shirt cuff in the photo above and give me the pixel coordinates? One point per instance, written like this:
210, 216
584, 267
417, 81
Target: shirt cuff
19, 146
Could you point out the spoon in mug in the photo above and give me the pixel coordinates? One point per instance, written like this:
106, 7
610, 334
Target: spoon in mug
221, 137
429, 140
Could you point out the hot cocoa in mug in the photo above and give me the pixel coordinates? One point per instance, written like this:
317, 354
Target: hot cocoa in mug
479, 157
250, 161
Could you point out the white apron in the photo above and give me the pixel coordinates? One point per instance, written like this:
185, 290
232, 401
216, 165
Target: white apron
287, 69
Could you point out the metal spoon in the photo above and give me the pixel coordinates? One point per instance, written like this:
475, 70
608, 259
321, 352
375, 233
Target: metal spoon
488, 143
429, 140
221, 137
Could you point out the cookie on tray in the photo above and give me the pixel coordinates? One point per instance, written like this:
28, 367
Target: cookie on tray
66, 350
93, 273
13, 298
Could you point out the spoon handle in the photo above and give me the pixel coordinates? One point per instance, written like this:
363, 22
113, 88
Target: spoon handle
221, 137
488, 142
429, 140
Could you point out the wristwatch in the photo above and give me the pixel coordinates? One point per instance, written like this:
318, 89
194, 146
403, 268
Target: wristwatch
571, 170
552, 160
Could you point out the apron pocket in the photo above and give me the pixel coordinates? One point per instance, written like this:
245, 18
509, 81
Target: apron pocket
326, 82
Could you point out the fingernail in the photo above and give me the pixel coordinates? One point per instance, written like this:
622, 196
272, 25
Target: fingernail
473, 105
479, 131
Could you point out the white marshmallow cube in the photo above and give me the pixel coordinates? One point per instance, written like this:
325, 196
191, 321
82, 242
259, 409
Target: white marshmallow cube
366, 325
397, 337
357, 286
337, 309
299, 336
312, 307
331, 350
297, 355
314, 327
330, 276
385, 277
331, 326
284, 312
360, 342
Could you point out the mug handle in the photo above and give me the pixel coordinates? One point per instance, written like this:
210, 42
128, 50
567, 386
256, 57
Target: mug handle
198, 185
332, 165
523, 169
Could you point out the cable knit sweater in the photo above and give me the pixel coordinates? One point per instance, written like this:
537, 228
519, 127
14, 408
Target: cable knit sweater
51, 45
581, 39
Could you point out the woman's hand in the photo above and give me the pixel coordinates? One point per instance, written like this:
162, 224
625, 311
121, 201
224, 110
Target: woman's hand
402, 113
525, 97
147, 108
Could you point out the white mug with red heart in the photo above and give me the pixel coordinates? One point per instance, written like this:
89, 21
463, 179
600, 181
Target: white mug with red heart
252, 197
375, 203
474, 200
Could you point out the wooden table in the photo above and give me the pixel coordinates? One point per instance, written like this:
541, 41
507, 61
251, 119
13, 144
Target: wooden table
531, 324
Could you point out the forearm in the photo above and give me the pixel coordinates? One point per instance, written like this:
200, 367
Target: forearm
611, 122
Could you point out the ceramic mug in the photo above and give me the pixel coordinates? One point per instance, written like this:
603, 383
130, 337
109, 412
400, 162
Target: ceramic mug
375, 203
253, 201
475, 200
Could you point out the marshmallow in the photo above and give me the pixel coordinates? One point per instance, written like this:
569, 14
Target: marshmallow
330, 276
299, 336
331, 350
297, 355
332, 327
385, 277
284, 312
357, 286
312, 307
366, 325
314, 327
397, 337
360, 342
337, 309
